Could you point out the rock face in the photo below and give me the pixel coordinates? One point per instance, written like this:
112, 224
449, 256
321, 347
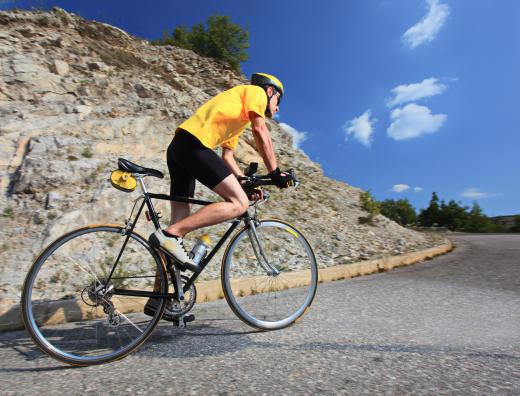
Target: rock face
75, 95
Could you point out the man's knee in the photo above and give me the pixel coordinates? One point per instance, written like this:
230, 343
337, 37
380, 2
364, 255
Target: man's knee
232, 192
243, 204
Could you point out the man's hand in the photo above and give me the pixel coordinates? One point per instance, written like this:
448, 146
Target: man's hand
281, 180
255, 194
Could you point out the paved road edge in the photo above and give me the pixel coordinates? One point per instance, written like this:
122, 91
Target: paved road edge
10, 319
212, 290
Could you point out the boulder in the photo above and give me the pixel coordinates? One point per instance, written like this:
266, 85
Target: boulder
141, 91
168, 67
97, 66
60, 68
52, 201
82, 109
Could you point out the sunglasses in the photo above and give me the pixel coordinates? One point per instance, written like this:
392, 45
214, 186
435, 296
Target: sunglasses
278, 98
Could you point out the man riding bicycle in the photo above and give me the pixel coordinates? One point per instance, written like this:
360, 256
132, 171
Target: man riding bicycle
190, 157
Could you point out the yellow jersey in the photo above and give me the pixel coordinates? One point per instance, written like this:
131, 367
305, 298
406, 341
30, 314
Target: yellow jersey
222, 119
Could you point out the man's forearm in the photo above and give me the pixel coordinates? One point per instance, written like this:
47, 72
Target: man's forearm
264, 145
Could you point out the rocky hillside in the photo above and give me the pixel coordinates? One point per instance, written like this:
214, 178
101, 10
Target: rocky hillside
75, 95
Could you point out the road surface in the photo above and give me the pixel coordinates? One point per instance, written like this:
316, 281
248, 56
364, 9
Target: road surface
447, 326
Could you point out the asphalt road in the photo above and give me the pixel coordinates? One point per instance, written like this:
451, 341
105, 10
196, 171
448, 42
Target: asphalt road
448, 326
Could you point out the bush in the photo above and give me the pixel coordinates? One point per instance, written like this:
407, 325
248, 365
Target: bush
516, 226
87, 153
477, 221
220, 39
8, 212
369, 205
400, 211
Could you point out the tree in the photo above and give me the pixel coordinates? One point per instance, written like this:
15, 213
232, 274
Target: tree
220, 39
400, 211
516, 225
452, 215
181, 37
430, 216
477, 221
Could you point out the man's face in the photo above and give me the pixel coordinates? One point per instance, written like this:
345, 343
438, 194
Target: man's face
273, 103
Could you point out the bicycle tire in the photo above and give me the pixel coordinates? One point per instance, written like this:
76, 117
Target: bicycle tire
266, 301
64, 315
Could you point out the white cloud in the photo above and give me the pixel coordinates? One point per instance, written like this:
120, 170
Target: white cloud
412, 92
427, 28
475, 193
297, 136
413, 121
417, 189
361, 128
400, 188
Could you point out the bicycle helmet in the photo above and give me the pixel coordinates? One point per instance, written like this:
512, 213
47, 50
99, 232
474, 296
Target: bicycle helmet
263, 79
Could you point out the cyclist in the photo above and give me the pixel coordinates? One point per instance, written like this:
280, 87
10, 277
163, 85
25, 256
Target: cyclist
190, 157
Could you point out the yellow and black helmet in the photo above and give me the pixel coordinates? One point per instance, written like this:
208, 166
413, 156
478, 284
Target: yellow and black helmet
263, 79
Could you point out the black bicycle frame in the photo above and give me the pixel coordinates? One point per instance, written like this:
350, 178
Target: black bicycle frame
154, 217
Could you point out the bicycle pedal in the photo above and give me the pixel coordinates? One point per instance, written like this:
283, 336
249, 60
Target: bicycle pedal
188, 318
181, 324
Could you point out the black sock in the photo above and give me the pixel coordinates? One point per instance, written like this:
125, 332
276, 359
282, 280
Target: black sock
170, 235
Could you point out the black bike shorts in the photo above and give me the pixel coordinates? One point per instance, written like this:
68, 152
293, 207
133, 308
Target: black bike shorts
188, 159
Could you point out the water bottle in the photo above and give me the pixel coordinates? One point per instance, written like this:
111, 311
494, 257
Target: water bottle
199, 250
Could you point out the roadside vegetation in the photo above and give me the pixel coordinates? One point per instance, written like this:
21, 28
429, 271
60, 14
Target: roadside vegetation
439, 213
218, 38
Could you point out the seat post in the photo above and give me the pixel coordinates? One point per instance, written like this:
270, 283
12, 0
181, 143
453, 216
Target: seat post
140, 179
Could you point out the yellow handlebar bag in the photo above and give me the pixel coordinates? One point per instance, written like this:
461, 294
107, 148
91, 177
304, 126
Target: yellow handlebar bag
123, 181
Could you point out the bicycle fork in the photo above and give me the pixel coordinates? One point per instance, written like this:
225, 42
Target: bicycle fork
257, 245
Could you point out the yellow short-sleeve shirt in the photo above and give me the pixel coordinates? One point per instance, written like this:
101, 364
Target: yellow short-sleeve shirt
221, 120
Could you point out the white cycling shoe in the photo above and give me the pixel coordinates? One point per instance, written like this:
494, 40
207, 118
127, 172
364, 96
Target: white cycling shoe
174, 247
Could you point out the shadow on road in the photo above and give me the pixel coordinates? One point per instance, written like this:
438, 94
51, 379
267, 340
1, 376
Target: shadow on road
210, 337
20, 342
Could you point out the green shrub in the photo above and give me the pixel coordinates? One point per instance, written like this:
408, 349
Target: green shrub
8, 212
400, 211
369, 205
219, 39
516, 226
87, 152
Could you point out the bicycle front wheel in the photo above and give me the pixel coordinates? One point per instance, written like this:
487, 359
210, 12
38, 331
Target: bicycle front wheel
74, 313
269, 275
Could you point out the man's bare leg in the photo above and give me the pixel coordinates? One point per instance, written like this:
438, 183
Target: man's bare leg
179, 211
235, 204
182, 222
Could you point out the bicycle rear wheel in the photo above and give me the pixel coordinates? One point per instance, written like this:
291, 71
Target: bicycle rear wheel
70, 310
273, 289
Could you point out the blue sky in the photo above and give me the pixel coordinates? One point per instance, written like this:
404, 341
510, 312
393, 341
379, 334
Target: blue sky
403, 97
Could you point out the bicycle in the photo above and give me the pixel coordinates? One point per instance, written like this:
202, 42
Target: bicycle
83, 305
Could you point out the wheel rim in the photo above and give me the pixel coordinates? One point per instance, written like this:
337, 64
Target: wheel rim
70, 316
264, 301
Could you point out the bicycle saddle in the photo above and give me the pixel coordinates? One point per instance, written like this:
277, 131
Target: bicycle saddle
128, 166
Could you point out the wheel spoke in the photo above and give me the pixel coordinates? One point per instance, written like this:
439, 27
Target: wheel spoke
77, 330
128, 320
275, 301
